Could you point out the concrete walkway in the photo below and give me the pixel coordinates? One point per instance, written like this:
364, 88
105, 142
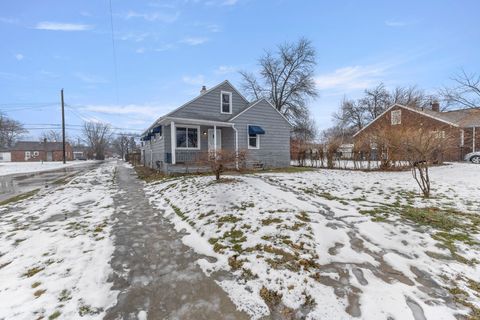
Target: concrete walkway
154, 271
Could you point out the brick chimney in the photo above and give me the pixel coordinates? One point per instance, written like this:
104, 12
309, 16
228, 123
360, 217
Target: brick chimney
204, 89
435, 106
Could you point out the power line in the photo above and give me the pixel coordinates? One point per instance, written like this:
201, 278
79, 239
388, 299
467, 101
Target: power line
114, 50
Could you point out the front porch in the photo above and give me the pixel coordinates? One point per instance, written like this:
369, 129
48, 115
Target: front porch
193, 141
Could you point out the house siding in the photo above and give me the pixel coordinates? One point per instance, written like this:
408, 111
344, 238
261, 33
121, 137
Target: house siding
274, 149
57, 155
207, 106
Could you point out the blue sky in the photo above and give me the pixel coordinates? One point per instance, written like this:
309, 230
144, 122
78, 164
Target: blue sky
166, 50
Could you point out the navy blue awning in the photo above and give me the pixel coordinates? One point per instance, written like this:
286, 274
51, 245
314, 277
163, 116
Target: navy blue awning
157, 129
254, 130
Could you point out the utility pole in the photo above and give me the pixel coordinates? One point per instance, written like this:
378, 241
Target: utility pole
63, 129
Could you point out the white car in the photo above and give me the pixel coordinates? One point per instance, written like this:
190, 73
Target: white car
473, 157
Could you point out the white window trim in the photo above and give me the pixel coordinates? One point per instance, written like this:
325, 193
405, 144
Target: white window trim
191, 127
35, 153
221, 102
248, 138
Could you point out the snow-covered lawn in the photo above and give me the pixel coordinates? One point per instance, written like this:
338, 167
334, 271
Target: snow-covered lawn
335, 244
30, 167
55, 250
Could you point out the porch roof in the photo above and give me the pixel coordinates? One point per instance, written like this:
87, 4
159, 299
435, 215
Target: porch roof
167, 120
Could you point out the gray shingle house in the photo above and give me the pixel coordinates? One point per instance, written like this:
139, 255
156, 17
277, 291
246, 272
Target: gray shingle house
218, 119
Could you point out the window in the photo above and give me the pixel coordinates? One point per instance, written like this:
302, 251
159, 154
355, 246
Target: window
396, 117
226, 102
253, 141
35, 153
439, 134
188, 137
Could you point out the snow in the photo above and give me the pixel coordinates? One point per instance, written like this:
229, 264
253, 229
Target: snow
306, 237
55, 250
7, 168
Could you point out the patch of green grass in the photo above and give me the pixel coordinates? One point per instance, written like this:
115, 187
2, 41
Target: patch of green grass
229, 218
433, 217
303, 216
270, 297
54, 315
65, 295
269, 221
218, 247
33, 271
178, 212
243, 205
19, 197
36, 284
39, 292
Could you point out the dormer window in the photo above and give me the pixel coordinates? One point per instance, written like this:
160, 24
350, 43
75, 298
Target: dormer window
226, 102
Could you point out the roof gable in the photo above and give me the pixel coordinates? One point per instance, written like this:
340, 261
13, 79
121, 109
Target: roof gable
422, 112
259, 103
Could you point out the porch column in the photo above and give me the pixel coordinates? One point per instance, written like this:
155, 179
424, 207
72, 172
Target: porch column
236, 147
473, 148
215, 140
173, 141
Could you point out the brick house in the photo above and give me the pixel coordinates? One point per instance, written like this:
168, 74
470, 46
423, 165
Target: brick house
462, 127
40, 151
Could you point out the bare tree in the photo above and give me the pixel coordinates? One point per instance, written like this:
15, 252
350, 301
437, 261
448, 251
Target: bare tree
350, 115
51, 135
221, 160
375, 101
286, 78
355, 114
97, 136
466, 91
10, 130
121, 144
422, 148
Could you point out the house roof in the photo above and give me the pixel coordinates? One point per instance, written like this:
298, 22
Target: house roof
192, 100
458, 118
37, 146
462, 118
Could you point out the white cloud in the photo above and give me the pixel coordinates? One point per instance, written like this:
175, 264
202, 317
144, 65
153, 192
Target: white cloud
134, 36
58, 26
351, 78
19, 56
140, 50
194, 41
229, 2
130, 109
153, 16
214, 28
165, 47
396, 23
197, 80
221, 70
89, 78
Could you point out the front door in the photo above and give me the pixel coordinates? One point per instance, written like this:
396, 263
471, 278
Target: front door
49, 156
211, 143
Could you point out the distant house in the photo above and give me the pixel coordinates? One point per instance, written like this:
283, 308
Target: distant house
40, 151
461, 126
218, 119
5, 155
